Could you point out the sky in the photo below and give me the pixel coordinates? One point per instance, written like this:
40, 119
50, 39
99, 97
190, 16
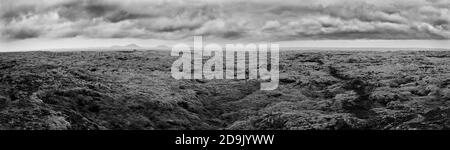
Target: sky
44, 24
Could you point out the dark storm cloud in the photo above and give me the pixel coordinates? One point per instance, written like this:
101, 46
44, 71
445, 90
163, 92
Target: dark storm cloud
227, 19
22, 33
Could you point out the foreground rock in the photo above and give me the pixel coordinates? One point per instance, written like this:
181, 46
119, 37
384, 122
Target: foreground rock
133, 90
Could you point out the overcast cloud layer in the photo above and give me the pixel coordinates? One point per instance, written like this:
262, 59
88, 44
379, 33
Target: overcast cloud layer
226, 19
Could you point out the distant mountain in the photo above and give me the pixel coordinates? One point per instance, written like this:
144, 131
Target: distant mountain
129, 46
162, 47
133, 46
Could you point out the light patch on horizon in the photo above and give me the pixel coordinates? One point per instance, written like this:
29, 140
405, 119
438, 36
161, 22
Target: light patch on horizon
107, 44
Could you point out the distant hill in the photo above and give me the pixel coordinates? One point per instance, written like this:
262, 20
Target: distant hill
162, 47
129, 46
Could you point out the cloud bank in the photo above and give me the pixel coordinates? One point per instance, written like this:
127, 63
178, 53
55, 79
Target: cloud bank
226, 19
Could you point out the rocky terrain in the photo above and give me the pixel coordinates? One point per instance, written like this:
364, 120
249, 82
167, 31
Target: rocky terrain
322, 90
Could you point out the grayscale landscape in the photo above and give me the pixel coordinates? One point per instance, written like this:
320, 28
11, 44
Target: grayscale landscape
107, 65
